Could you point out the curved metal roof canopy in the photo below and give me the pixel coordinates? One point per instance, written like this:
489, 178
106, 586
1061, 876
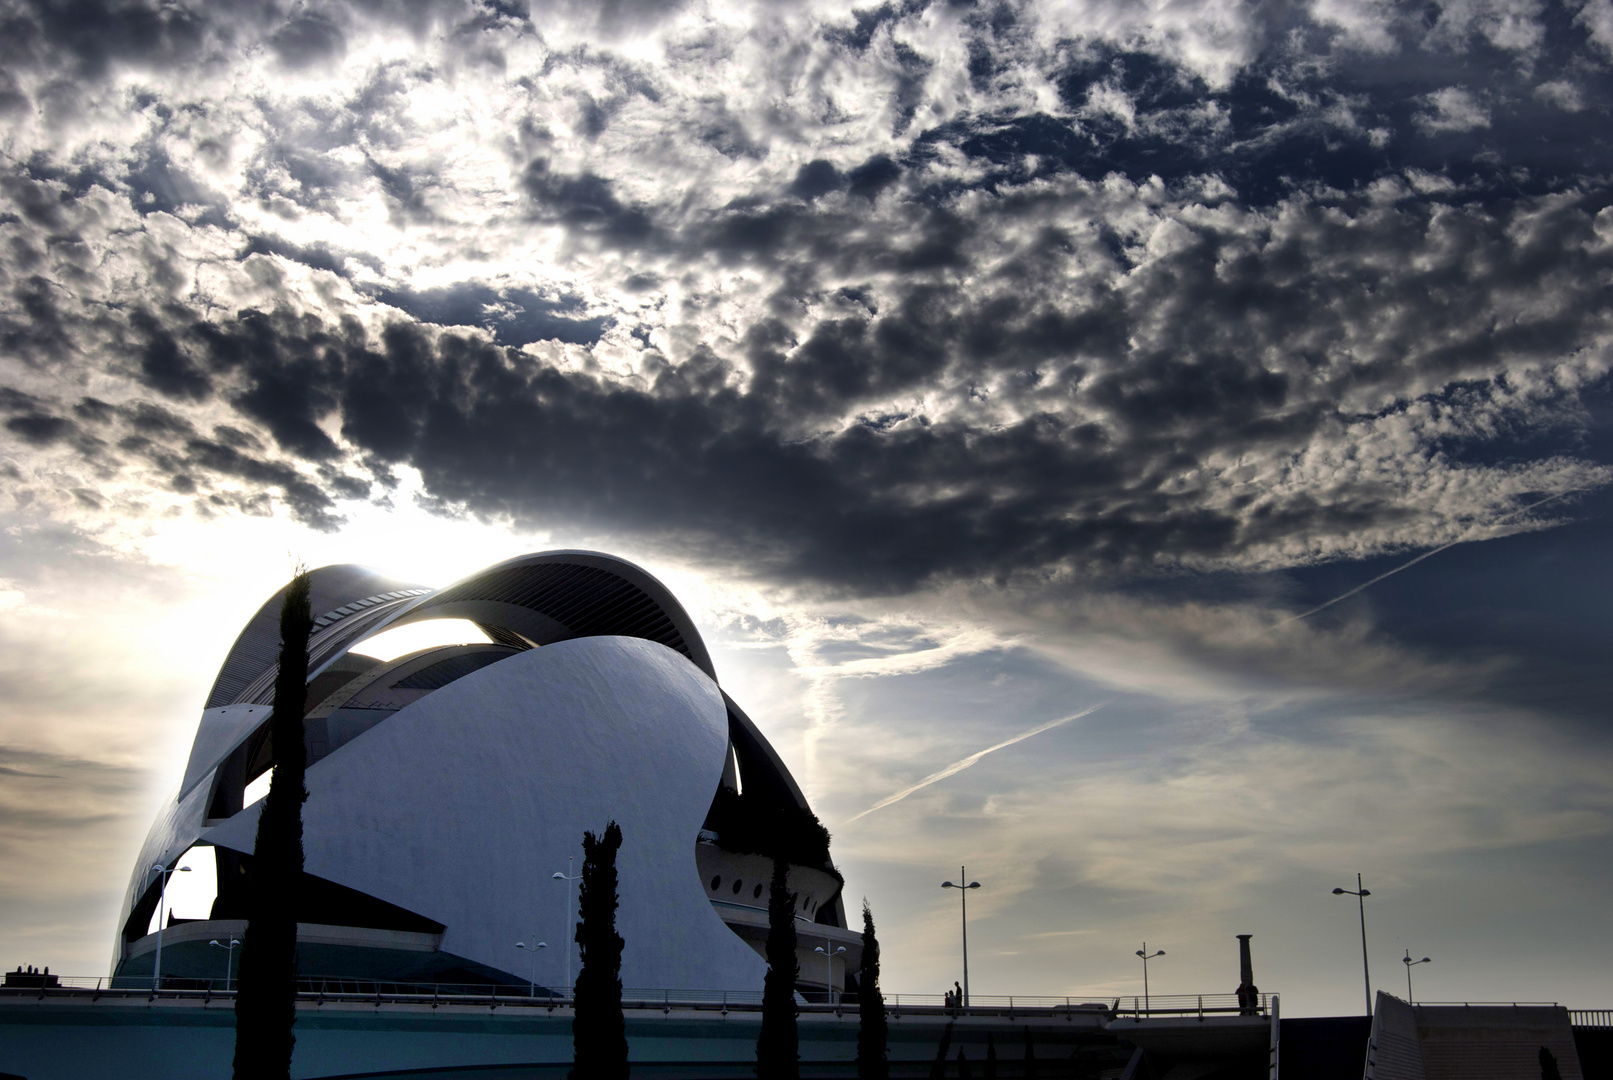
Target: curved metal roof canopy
531, 600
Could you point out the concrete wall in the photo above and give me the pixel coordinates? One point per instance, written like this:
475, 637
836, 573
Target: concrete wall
132, 1039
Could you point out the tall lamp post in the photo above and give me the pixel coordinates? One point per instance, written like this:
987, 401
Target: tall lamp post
570, 931
963, 896
1147, 956
162, 906
1361, 893
829, 967
1410, 963
532, 965
229, 958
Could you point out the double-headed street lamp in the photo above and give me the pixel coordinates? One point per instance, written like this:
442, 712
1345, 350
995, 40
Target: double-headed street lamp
229, 958
1410, 963
828, 966
532, 964
1361, 893
1147, 956
963, 895
162, 906
570, 931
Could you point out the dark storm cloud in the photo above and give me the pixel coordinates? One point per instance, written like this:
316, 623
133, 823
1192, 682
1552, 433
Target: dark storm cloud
1204, 354
515, 316
35, 332
587, 204
308, 38
158, 437
96, 34
1158, 312
320, 256
90, 38
1309, 109
164, 365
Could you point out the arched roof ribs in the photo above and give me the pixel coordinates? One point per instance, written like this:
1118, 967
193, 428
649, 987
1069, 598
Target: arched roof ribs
545, 597
324, 645
587, 600
340, 594
500, 636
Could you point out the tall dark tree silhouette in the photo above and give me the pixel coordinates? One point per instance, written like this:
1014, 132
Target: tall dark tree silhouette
777, 1048
598, 1031
266, 996
938, 1067
872, 1063
1030, 1056
991, 1056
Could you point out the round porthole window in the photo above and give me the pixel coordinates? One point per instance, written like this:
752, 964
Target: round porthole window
716, 883
737, 886
756, 892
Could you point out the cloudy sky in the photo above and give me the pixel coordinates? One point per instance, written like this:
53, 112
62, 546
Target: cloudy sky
961, 366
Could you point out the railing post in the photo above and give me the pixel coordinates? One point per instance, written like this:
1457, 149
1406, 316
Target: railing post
1276, 1036
1201, 1008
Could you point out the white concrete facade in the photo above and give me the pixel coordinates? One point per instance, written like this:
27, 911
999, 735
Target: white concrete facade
459, 806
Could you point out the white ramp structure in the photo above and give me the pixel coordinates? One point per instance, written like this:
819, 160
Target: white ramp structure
449, 786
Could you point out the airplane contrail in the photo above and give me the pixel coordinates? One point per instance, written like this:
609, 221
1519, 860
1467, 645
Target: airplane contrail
959, 766
1425, 555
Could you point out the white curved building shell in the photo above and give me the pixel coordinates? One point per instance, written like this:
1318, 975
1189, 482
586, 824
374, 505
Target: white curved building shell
460, 806
447, 787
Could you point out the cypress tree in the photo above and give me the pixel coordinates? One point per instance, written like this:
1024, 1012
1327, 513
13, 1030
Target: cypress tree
938, 1067
871, 1023
991, 1056
266, 995
964, 1071
1030, 1056
778, 1054
598, 1031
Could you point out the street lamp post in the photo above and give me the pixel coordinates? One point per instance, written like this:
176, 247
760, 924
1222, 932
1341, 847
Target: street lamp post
1147, 956
828, 966
532, 965
1360, 892
568, 877
963, 896
1410, 963
162, 906
229, 958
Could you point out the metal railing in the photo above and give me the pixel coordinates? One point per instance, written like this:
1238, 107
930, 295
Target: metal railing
1200, 1005
1489, 1004
320, 989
